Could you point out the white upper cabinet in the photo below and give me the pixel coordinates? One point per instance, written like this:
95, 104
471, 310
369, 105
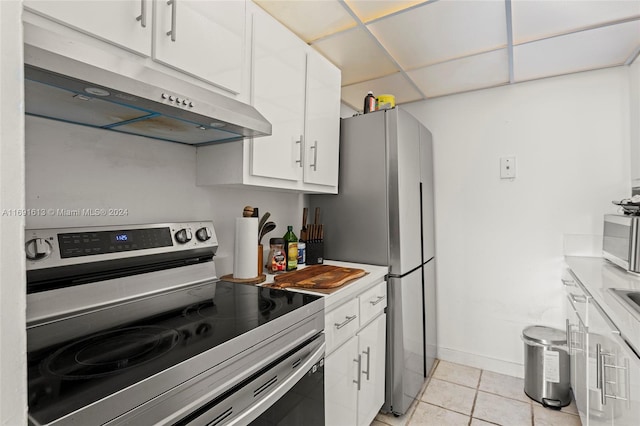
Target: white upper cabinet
278, 87
205, 39
298, 92
322, 126
126, 24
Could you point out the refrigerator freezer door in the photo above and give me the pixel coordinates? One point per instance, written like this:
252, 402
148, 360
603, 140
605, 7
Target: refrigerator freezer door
403, 147
405, 342
426, 177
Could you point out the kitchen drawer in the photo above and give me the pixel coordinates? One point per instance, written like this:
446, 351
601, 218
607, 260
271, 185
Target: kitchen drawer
341, 324
373, 302
577, 296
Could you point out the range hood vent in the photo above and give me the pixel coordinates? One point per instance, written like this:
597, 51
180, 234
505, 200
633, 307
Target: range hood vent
153, 104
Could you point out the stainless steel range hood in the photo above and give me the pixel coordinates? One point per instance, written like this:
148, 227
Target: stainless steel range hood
145, 102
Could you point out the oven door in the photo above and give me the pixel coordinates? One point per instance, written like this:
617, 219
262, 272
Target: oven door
288, 392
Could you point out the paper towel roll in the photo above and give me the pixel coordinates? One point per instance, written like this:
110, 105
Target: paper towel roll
245, 253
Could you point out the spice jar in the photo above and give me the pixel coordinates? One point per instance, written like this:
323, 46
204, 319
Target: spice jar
277, 259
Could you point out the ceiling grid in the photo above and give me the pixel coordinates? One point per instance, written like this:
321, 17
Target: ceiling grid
423, 49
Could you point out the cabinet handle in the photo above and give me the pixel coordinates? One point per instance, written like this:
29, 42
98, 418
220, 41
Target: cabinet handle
368, 353
578, 298
569, 336
143, 14
315, 156
174, 12
359, 362
378, 300
299, 160
345, 322
568, 283
601, 364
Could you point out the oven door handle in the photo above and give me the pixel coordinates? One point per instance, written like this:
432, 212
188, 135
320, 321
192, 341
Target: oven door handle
255, 410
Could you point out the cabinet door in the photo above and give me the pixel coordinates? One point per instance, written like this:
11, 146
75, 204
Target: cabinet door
279, 61
372, 352
322, 144
626, 386
206, 39
579, 364
124, 23
600, 345
341, 391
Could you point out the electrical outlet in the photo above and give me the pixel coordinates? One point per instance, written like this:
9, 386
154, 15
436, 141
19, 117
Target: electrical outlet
507, 168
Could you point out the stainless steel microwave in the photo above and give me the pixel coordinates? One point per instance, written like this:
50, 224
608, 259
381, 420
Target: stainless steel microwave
620, 242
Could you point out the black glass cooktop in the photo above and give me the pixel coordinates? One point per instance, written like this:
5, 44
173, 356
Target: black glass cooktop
171, 328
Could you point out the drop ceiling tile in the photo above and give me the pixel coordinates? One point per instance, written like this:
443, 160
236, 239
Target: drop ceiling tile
441, 31
357, 54
310, 19
533, 20
395, 84
581, 51
461, 75
367, 10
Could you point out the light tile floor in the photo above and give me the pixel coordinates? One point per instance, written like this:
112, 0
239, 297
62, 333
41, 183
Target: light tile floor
466, 396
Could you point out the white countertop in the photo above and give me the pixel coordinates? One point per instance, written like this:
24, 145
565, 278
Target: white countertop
599, 276
348, 291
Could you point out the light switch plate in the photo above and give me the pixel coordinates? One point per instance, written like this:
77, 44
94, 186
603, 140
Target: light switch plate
507, 168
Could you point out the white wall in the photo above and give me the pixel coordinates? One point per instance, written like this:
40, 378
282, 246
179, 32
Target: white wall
499, 244
13, 371
75, 167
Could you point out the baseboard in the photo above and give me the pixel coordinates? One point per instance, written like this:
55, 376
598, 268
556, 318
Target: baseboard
478, 361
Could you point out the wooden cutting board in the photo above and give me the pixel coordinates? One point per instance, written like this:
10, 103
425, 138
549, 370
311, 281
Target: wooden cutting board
317, 277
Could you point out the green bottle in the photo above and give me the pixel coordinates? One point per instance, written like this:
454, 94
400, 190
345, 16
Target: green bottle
291, 248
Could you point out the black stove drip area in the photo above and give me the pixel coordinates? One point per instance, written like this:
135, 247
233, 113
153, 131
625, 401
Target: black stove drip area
67, 376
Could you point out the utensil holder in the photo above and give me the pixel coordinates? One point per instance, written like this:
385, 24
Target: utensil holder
315, 252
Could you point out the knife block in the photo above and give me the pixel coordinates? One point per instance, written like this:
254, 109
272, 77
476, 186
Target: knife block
315, 253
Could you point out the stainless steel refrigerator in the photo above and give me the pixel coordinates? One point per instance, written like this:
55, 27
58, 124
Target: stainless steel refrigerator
384, 215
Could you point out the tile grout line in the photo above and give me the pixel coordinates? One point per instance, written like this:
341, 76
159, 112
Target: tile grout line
475, 398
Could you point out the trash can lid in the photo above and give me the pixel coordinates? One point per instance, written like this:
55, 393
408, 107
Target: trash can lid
544, 335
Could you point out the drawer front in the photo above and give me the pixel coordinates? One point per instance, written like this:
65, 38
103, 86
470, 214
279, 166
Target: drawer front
341, 324
577, 296
373, 302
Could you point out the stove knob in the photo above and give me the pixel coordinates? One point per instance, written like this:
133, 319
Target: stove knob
183, 235
203, 234
37, 249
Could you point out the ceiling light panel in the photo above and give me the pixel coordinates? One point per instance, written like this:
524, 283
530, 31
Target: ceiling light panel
462, 75
533, 20
441, 31
368, 10
581, 51
310, 19
357, 54
396, 85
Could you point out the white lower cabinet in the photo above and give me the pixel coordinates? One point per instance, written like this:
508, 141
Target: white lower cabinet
355, 360
577, 343
371, 354
605, 371
614, 370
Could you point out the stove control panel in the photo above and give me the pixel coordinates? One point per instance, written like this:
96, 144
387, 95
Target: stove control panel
47, 248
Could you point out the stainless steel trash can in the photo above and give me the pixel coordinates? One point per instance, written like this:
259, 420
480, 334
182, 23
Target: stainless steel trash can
546, 366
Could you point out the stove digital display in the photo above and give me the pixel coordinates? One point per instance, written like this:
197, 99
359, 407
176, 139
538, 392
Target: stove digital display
122, 237
102, 242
